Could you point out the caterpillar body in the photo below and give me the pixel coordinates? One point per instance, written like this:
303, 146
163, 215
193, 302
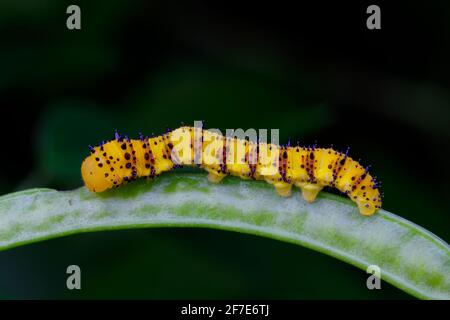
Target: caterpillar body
311, 169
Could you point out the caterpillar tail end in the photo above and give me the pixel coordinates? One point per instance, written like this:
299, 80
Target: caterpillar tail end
310, 191
365, 209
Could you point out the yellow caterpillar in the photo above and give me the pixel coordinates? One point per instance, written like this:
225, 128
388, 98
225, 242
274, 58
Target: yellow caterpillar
122, 159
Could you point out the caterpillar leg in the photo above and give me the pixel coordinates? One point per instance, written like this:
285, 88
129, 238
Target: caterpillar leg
283, 189
215, 177
365, 208
309, 190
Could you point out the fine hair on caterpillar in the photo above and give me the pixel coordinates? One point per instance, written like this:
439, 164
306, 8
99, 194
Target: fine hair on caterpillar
239, 153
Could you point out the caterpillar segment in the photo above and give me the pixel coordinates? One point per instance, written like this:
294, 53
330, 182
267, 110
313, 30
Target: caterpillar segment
310, 169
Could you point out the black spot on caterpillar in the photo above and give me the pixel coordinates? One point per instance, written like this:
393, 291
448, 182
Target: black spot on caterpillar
122, 159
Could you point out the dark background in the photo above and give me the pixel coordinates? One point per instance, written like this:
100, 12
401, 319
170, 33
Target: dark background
312, 70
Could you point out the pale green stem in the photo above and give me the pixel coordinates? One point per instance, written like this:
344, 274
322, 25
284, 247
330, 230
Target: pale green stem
410, 257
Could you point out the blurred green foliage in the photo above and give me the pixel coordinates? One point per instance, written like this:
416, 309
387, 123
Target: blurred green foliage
138, 67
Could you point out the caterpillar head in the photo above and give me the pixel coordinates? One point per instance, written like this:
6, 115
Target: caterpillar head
95, 174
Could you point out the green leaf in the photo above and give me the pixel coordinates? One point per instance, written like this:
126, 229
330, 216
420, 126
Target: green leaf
410, 257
